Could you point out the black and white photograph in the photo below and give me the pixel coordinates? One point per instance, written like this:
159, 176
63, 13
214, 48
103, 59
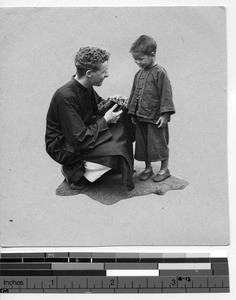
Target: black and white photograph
114, 126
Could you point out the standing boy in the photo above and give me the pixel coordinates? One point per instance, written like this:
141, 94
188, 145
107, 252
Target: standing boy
150, 105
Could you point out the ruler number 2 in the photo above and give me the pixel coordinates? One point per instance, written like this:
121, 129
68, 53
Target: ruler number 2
112, 282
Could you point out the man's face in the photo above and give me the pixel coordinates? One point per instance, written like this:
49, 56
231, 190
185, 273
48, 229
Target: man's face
98, 76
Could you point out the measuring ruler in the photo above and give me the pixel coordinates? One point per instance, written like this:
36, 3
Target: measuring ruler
76, 272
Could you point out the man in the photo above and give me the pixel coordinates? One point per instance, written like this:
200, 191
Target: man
85, 141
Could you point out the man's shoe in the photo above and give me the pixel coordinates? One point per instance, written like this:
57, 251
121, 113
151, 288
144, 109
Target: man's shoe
145, 175
161, 177
80, 185
77, 187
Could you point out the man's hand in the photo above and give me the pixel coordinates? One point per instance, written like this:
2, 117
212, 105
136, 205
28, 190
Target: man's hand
162, 121
111, 116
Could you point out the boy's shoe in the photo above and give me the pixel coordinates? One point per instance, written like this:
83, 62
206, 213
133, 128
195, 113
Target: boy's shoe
161, 177
145, 175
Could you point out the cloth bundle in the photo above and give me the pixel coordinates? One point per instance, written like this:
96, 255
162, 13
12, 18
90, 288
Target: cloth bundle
110, 101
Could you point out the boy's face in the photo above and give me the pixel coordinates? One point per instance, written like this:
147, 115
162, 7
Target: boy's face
144, 61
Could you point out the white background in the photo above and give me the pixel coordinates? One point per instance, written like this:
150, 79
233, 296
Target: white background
38, 44
231, 14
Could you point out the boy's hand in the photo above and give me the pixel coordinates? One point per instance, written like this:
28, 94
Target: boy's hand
162, 121
111, 116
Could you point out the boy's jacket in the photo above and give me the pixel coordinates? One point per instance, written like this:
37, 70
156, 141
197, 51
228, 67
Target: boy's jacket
151, 95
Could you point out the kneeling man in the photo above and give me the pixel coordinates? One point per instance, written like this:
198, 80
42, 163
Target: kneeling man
86, 141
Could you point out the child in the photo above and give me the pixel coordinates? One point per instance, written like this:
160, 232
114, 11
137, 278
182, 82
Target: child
150, 105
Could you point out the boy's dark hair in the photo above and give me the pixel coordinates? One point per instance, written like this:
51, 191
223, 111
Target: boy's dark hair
89, 58
145, 44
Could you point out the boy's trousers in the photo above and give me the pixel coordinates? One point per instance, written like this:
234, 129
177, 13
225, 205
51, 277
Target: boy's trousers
151, 142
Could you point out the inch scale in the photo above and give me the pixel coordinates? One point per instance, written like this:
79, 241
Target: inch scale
76, 272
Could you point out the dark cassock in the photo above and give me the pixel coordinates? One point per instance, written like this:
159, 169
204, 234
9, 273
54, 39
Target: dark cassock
76, 132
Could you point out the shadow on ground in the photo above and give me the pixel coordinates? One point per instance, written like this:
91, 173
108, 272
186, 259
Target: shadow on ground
109, 189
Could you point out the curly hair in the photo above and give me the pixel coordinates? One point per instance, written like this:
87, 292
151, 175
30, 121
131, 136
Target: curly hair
89, 58
144, 44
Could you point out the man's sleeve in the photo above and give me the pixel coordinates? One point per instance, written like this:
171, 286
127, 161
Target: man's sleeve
78, 134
